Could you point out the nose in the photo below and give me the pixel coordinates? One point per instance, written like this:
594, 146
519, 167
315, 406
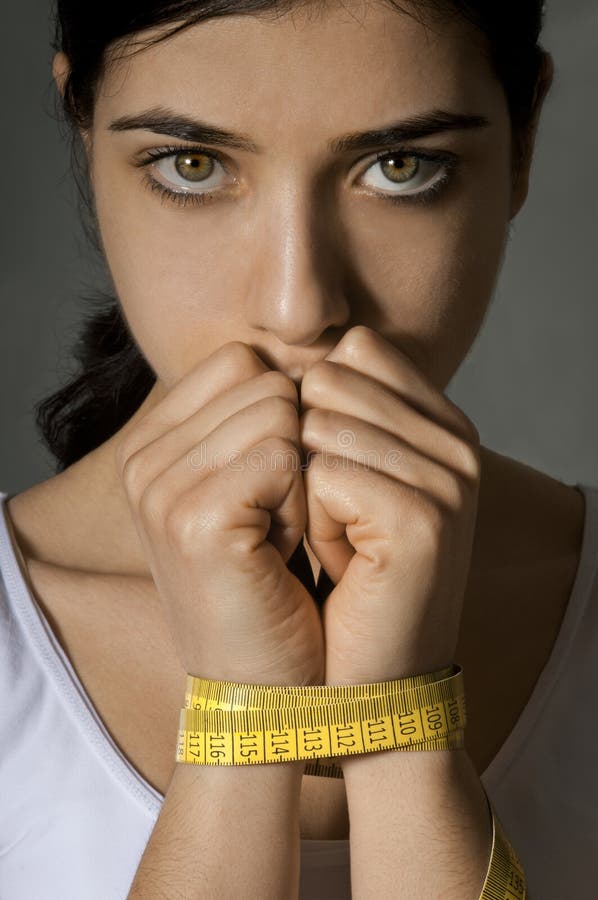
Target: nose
296, 284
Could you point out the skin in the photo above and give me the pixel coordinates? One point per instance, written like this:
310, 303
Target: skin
297, 257
422, 277
297, 254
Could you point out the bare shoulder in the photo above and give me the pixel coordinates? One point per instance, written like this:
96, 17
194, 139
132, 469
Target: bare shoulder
525, 558
525, 517
526, 553
35, 517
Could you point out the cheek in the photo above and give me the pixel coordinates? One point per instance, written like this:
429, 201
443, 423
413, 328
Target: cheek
171, 274
431, 272
156, 252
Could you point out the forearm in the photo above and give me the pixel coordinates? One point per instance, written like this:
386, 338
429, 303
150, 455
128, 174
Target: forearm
420, 825
225, 832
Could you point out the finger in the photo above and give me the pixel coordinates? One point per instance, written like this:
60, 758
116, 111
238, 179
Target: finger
239, 511
405, 557
326, 533
222, 448
366, 351
368, 524
211, 553
249, 412
230, 364
346, 442
235, 445
336, 387
268, 508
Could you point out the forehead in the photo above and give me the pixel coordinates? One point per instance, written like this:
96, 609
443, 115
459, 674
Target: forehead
326, 67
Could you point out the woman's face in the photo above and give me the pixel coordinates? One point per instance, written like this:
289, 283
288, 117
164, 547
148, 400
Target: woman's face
300, 240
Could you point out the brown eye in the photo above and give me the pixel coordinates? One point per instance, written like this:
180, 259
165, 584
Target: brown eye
412, 173
192, 171
194, 166
399, 169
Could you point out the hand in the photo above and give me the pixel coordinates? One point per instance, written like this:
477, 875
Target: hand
213, 478
391, 486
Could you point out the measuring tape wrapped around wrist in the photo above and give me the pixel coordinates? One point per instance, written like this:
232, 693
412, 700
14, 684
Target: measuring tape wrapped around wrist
230, 723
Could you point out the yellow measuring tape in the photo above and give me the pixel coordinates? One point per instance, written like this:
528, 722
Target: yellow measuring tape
505, 878
230, 723
226, 723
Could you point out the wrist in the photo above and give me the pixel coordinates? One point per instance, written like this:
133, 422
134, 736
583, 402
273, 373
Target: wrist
413, 781
231, 781
339, 674
406, 765
301, 677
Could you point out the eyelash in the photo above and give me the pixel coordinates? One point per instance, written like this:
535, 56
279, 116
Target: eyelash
184, 198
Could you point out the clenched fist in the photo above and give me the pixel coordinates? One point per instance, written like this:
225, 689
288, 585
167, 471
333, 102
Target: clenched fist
214, 482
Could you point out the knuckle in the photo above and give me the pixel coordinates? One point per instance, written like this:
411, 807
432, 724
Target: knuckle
242, 359
459, 491
279, 449
358, 338
313, 422
131, 474
152, 505
314, 471
180, 525
278, 443
430, 518
122, 452
470, 432
468, 456
281, 384
319, 378
282, 413
308, 416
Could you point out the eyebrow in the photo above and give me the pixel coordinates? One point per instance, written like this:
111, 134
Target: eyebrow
162, 120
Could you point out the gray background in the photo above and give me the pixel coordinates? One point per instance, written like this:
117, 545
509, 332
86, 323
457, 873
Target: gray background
530, 379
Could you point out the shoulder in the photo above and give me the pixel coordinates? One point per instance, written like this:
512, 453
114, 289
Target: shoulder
526, 518
28, 516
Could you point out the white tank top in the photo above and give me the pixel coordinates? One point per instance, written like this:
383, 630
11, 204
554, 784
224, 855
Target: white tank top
75, 815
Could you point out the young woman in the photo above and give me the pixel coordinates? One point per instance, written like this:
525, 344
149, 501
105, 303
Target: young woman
303, 208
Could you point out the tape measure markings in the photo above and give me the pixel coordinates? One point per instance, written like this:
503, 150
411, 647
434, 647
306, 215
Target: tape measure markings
244, 695
228, 737
226, 723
